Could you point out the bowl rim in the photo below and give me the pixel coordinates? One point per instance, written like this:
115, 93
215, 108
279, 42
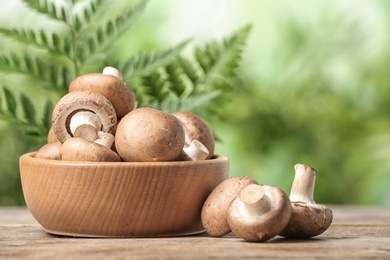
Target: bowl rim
216, 159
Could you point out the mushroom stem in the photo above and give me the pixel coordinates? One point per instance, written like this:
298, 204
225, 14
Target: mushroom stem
105, 139
113, 72
196, 151
255, 200
85, 124
302, 189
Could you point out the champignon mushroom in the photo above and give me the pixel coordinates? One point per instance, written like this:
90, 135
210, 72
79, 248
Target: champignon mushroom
214, 210
51, 151
83, 114
80, 149
259, 213
149, 135
197, 129
109, 84
194, 152
308, 219
105, 139
51, 136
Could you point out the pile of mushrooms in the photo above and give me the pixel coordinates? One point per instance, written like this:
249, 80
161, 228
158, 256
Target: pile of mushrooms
98, 121
257, 212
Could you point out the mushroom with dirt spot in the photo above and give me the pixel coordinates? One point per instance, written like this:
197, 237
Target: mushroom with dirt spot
259, 213
308, 219
109, 84
149, 135
197, 129
214, 210
83, 114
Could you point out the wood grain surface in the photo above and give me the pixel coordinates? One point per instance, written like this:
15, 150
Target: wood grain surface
356, 233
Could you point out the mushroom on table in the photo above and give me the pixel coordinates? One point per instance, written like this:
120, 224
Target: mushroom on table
259, 213
308, 219
214, 210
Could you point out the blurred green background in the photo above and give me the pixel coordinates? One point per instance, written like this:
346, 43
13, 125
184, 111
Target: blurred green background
314, 88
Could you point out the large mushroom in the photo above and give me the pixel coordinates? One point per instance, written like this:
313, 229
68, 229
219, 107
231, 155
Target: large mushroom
259, 213
197, 129
109, 83
214, 210
149, 135
308, 219
83, 114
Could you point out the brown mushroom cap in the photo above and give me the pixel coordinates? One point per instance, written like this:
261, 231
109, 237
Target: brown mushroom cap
148, 135
51, 151
80, 149
76, 101
307, 220
51, 136
114, 89
196, 128
214, 210
259, 213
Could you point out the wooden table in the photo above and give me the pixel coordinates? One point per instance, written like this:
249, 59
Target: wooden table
356, 233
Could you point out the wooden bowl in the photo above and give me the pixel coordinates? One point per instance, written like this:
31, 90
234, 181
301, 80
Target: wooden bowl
126, 199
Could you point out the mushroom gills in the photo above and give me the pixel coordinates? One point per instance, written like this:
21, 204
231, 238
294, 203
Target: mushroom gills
85, 124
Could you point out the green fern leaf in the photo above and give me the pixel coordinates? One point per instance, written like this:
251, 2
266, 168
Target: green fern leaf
45, 7
145, 63
176, 80
9, 102
189, 69
223, 59
39, 40
28, 109
46, 115
206, 84
109, 31
154, 85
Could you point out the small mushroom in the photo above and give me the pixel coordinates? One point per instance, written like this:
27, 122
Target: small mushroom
105, 139
214, 210
83, 114
196, 151
196, 129
109, 84
308, 219
51, 151
149, 135
259, 213
80, 149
